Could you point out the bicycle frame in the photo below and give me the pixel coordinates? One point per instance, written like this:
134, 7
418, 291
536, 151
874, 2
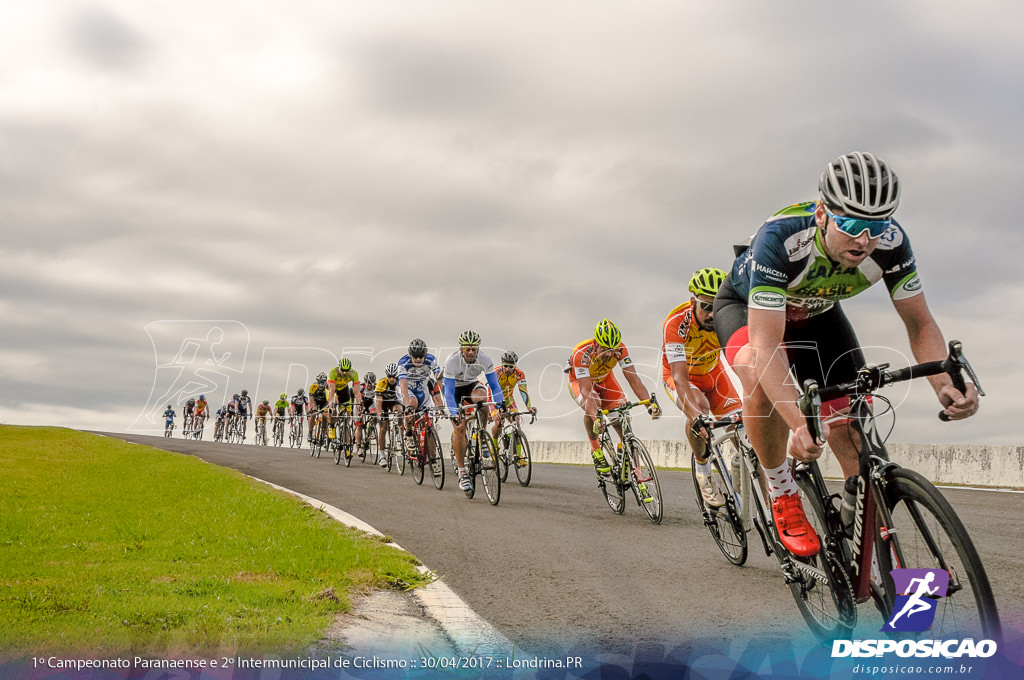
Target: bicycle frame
876, 544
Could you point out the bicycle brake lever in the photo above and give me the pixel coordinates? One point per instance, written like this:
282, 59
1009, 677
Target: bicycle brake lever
810, 404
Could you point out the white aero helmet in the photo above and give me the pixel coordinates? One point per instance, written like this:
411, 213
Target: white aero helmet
860, 185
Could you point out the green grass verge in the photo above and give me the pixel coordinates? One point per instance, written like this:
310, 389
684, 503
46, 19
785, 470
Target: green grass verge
108, 547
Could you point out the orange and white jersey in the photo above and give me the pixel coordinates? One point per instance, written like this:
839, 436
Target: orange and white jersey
585, 361
684, 340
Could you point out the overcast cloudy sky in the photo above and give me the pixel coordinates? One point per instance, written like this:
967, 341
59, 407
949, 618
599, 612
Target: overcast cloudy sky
216, 195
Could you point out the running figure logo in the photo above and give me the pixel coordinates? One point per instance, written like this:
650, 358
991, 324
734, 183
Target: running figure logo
918, 589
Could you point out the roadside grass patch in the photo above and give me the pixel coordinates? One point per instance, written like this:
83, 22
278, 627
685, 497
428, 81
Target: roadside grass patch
109, 548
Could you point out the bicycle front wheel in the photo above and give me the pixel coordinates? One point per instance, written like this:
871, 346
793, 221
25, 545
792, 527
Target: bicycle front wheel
400, 456
435, 458
926, 533
644, 480
489, 472
724, 523
823, 591
613, 493
521, 458
416, 459
347, 436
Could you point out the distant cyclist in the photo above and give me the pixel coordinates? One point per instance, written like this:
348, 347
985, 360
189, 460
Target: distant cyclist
318, 401
783, 296
342, 388
366, 407
169, 417
388, 401
697, 382
594, 387
462, 371
418, 376
510, 378
244, 410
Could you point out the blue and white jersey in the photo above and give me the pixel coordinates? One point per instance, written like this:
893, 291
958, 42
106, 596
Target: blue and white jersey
418, 377
786, 267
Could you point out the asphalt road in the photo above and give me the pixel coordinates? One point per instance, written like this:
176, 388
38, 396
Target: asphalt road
556, 571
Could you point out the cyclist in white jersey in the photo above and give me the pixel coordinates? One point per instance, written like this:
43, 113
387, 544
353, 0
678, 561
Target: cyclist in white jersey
461, 374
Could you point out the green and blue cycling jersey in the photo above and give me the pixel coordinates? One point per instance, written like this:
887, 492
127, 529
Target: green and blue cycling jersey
785, 266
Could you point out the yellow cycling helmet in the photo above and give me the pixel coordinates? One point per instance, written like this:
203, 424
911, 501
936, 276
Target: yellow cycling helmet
607, 334
707, 281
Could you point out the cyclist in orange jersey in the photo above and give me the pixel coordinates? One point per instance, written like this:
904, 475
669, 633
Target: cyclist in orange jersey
697, 382
510, 377
594, 387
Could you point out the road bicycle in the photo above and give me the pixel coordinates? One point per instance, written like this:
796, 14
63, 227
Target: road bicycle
392, 450
187, 423
168, 429
480, 457
318, 433
514, 447
900, 521
295, 430
727, 445
631, 465
278, 430
261, 432
197, 427
367, 444
234, 429
428, 454
218, 429
344, 435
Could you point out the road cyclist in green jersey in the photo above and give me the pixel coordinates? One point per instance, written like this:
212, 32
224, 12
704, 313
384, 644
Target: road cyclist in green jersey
342, 389
779, 310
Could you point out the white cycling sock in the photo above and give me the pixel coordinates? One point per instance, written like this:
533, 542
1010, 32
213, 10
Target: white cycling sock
704, 468
780, 481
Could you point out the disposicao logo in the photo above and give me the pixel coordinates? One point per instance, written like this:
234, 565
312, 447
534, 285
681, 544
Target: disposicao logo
918, 590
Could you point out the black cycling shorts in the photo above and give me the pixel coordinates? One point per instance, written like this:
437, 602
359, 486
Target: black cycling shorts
823, 347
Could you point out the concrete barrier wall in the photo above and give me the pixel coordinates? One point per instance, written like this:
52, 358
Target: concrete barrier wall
970, 464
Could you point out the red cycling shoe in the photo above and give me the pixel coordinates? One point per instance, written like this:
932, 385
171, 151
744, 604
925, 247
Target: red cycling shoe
795, 531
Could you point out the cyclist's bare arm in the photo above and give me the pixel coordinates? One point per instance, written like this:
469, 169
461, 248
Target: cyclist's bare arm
694, 403
767, 364
637, 385
927, 344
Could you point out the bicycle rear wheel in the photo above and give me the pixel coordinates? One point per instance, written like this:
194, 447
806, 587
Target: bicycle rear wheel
489, 473
521, 458
724, 523
435, 458
823, 592
644, 480
926, 533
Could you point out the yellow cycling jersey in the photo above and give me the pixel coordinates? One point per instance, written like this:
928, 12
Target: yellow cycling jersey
342, 379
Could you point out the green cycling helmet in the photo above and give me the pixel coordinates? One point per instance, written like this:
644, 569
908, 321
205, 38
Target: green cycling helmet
607, 334
706, 281
469, 339
345, 364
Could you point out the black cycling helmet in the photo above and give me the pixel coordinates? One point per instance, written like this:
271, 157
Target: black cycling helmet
417, 348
